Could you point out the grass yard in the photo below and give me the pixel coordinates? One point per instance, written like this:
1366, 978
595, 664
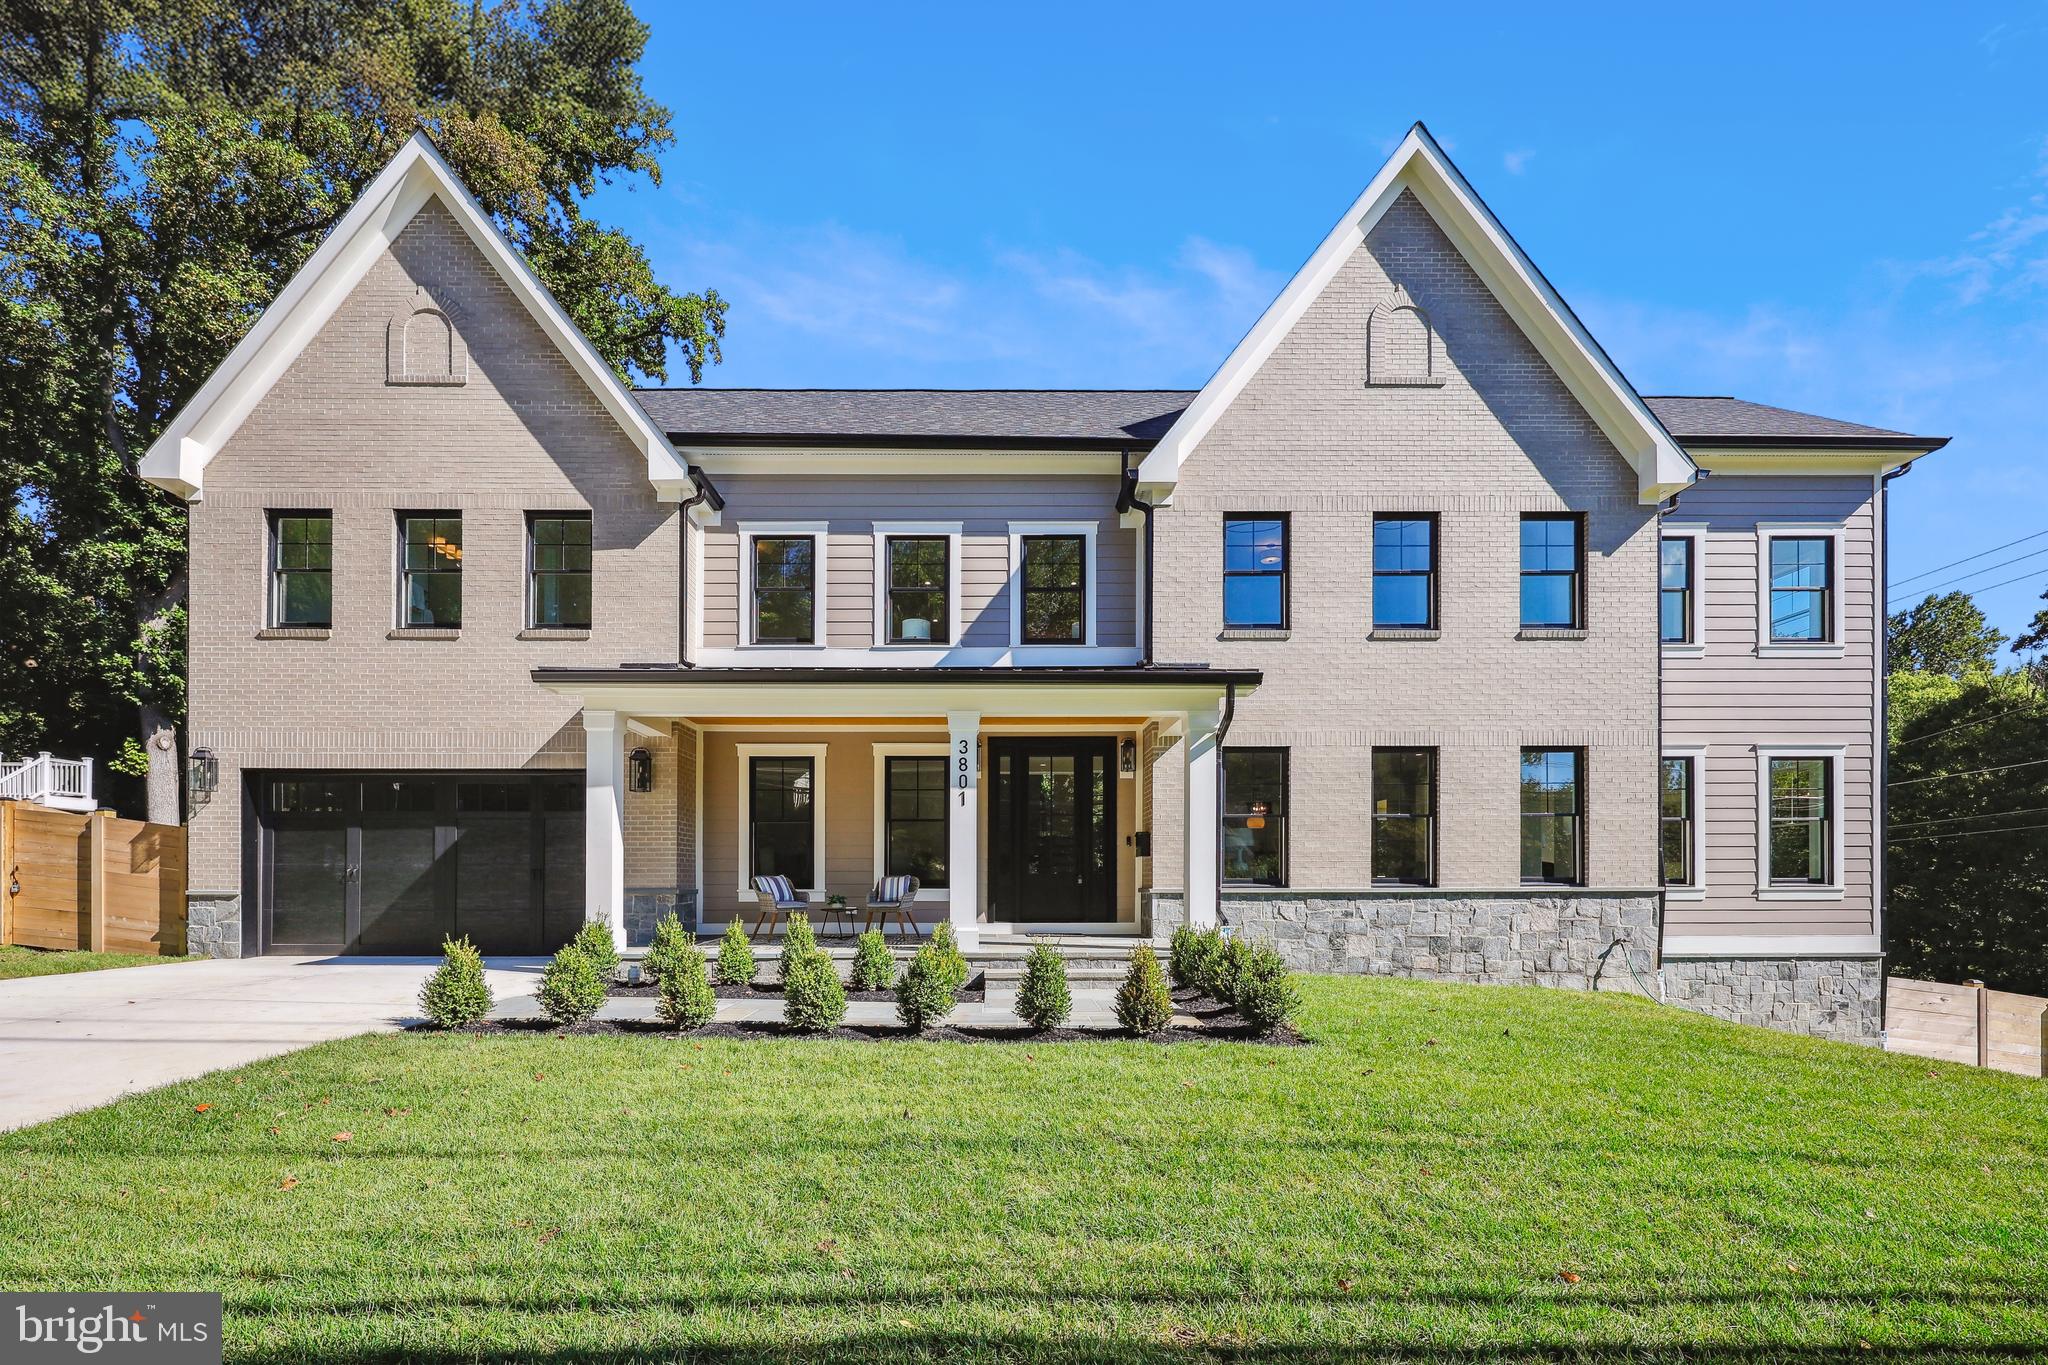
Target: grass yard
1453, 1173
20, 962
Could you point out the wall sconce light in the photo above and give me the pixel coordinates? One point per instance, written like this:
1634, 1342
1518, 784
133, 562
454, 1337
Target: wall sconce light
1127, 758
202, 772
640, 770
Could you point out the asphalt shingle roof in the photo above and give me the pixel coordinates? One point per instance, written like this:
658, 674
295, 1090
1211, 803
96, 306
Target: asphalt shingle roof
1110, 416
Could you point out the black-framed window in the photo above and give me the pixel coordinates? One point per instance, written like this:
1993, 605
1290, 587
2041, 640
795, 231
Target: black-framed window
1677, 796
1404, 571
785, 570
781, 827
1802, 570
1255, 816
1553, 570
430, 569
1802, 839
1255, 571
914, 837
917, 585
1552, 833
1675, 589
302, 569
558, 567
1404, 817
1054, 576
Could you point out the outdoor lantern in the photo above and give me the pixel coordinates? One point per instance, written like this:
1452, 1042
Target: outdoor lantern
640, 765
203, 772
1127, 758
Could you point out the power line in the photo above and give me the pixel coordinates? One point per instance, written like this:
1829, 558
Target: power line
1968, 833
1957, 819
1973, 772
1928, 573
1981, 720
1988, 568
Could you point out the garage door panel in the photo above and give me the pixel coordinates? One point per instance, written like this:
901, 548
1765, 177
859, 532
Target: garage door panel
309, 884
402, 908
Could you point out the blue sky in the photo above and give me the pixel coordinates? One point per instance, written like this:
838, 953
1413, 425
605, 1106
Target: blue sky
1840, 208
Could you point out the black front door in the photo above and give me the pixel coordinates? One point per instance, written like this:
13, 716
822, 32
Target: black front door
1052, 830
395, 862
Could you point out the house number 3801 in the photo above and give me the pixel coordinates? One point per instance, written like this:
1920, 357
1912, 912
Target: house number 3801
960, 767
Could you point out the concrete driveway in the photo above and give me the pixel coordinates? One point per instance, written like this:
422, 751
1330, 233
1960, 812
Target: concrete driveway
72, 1042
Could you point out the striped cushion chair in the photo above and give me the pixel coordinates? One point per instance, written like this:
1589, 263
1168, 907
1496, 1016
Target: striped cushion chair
893, 896
777, 898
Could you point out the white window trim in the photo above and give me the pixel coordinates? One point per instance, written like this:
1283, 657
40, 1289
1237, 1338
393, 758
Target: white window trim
1695, 533
747, 754
820, 554
950, 530
883, 753
1696, 889
1766, 647
1765, 889
1091, 581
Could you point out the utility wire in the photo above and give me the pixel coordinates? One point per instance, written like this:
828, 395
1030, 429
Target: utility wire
1981, 720
1973, 772
1957, 819
1967, 833
1988, 568
1929, 573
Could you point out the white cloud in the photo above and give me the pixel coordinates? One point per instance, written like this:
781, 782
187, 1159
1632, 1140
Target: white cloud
2007, 256
1517, 161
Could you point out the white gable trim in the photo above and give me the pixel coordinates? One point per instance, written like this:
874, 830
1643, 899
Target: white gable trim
1419, 165
416, 176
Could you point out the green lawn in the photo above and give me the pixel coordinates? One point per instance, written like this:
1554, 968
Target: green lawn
19, 962
1423, 1183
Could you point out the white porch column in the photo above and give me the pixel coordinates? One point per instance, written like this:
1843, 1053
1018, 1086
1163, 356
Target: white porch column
1199, 819
963, 824
604, 822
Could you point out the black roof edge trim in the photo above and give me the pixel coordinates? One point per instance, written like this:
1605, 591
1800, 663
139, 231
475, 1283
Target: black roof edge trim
854, 441
1926, 445
1000, 674
706, 489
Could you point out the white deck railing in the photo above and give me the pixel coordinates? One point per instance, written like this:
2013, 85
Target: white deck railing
62, 782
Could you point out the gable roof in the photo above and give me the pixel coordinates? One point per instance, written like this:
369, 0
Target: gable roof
1716, 420
1419, 166
416, 176
1085, 418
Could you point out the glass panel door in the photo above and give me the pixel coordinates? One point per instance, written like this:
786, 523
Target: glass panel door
1052, 817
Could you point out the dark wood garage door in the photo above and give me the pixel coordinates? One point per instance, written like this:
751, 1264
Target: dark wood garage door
395, 862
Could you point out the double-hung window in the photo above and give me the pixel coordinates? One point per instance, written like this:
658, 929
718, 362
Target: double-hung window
1677, 801
785, 583
430, 570
1255, 571
1800, 793
1801, 570
1552, 839
1255, 816
1404, 572
914, 836
1553, 571
781, 817
1675, 589
558, 569
917, 575
1404, 817
1053, 589
302, 569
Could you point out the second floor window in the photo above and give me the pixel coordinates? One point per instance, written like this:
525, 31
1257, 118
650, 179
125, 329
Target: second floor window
1404, 572
1551, 568
1675, 590
1801, 568
917, 590
302, 569
432, 570
785, 590
1255, 816
1551, 809
1801, 841
558, 557
1675, 816
1255, 572
914, 842
1404, 816
1055, 589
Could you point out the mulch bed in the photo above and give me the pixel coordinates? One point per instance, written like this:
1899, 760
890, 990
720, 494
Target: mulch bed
1231, 1030
975, 992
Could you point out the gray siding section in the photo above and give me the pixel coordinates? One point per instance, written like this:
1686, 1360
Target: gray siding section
1731, 700
851, 505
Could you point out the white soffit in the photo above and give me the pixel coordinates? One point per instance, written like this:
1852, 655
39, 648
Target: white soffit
416, 176
1419, 165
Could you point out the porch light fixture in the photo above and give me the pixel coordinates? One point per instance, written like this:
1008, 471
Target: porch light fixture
202, 773
1127, 758
640, 769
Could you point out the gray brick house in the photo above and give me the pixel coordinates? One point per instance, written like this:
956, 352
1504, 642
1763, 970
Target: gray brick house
1416, 641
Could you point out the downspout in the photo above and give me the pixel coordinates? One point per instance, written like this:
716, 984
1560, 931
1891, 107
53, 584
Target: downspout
1126, 499
1884, 747
705, 494
1223, 719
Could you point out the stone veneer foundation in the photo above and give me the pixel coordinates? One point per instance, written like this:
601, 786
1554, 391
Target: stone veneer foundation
1829, 997
213, 924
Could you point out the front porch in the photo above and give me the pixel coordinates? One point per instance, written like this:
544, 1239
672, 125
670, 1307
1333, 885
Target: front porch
1021, 799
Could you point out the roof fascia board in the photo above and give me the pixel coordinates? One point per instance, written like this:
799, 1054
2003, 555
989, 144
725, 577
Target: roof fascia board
717, 440
1662, 466
883, 460
1794, 460
177, 459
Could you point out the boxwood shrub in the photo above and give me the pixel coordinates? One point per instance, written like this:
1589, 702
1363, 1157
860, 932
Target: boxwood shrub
685, 1000
874, 966
457, 993
797, 940
812, 998
1142, 1003
1043, 998
665, 953
570, 988
924, 995
594, 941
736, 965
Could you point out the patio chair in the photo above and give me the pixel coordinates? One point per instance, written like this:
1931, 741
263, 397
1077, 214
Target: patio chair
777, 899
893, 896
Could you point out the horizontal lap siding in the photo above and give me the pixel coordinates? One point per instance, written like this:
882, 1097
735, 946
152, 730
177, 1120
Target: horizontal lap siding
1731, 701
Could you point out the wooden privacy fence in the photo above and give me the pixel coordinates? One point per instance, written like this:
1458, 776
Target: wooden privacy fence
90, 881
1968, 1023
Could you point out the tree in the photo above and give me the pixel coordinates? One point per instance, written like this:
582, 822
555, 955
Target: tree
2032, 646
167, 166
1945, 634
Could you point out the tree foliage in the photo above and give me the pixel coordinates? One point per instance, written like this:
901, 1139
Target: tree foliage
166, 167
1945, 634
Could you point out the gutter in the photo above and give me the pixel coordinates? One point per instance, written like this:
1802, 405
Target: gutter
1126, 499
706, 495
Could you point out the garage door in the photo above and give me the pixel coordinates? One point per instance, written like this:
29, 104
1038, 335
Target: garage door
395, 862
